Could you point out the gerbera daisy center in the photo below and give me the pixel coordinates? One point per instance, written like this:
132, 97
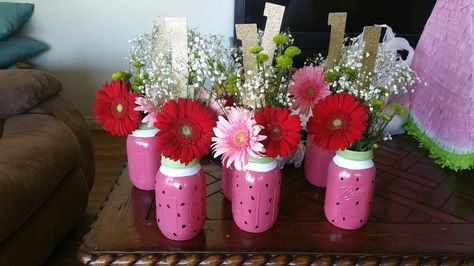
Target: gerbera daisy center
337, 122
119, 108
186, 130
309, 91
276, 131
240, 138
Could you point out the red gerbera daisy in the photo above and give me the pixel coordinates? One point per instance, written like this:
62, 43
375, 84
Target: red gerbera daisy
338, 121
114, 108
282, 130
185, 130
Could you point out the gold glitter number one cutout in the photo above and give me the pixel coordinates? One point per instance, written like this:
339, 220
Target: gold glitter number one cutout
337, 21
247, 33
173, 35
371, 46
274, 14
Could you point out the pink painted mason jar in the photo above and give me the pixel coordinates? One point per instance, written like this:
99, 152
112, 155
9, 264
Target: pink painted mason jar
226, 181
143, 157
180, 196
316, 163
350, 189
256, 195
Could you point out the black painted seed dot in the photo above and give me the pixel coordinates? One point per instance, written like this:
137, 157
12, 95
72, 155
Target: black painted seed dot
370, 202
195, 187
256, 227
179, 215
159, 205
174, 234
182, 204
167, 205
180, 187
361, 220
357, 188
250, 187
241, 203
194, 231
337, 203
158, 220
343, 218
237, 185
270, 200
198, 217
163, 192
245, 222
266, 185
357, 179
183, 226
342, 178
373, 181
332, 221
357, 203
252, 197
250, 211
267, 213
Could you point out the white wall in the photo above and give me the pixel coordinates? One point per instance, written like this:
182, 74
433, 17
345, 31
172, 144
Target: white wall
88, 39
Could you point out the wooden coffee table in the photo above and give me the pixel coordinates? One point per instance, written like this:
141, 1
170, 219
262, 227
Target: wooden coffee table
422, 214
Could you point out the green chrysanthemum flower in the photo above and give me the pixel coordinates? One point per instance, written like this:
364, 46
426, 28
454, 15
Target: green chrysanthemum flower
398, 108
281, 38
121, 75
256, 49
284, 61
292, 51
261, 58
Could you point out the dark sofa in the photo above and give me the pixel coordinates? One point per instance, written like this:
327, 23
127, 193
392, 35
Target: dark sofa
46, 166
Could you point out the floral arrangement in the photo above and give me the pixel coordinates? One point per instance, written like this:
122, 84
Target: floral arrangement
148, 94
260, 124
350, 108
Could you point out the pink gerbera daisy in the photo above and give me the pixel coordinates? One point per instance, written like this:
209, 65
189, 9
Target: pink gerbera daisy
148, 108
237, 138
308, 87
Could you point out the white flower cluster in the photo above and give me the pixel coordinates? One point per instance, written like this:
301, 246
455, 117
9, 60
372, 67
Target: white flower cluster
208, 59
390, 79
209, 65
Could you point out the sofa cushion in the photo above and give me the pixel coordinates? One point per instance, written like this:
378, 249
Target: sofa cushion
12, 16
21, 90
17, 48
36, 152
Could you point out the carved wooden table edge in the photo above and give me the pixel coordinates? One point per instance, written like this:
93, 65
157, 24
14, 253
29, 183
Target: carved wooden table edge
90, 258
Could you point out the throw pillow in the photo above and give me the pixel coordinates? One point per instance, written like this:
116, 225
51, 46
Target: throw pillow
16, 48
12, 16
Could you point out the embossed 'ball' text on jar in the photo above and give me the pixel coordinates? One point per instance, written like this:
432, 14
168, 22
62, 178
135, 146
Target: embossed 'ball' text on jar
350, 189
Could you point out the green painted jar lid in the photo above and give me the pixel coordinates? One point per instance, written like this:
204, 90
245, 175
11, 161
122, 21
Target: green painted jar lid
145, 126
261, 160
177, 164
356, 155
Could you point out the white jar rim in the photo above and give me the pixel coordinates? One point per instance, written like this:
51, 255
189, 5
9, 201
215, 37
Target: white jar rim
352, 164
